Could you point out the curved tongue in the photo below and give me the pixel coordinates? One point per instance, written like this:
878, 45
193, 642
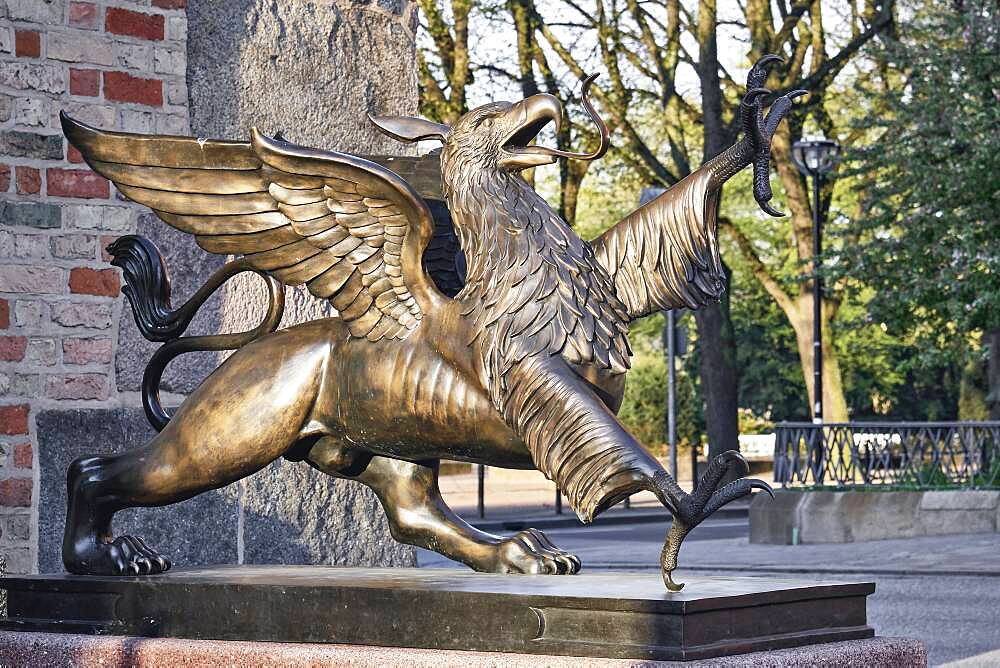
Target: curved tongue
602, 129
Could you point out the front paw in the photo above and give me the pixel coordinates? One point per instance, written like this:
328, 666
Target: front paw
530, 551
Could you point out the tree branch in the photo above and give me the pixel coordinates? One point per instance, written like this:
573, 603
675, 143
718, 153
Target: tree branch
757, 266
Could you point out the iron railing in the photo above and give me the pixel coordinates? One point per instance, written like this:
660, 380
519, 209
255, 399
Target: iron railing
904, 455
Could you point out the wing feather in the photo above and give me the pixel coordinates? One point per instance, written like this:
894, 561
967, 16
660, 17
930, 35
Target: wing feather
351, 230
665, 254
238, 224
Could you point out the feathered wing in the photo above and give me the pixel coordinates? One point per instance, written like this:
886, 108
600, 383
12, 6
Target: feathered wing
352, 231
665, 254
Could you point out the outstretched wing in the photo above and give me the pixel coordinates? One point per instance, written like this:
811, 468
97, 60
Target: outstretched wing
665, 254
352, 231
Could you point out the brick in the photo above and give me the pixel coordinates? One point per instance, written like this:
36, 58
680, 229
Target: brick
26, 385
172, 124
23, 457
6, 244
80, 47
35, 11
72, 246
12, 348
29, 180
4, 178
103, 244
6, 40
100, 282
176, 92
42, 352
81, 386
84, 15
73, 154
28, 279
30, 313
82, 314
84, 82
98, 115
123, 87
16, 492
6, 108
134, 24
81, 183
90, 217
170, 4
137, 121
32, 112
30, 214
27, 44
19, 526
39, 77
31, 247
87, 351
177, 28
14, 419
134, 56
17, 144
168, 61
4, 314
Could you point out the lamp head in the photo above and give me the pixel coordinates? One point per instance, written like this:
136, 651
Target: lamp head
815, 157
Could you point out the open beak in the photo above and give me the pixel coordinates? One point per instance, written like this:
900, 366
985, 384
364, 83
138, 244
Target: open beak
534, 113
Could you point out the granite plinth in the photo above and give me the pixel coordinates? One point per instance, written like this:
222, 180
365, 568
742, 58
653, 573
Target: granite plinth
67, 650
612, 615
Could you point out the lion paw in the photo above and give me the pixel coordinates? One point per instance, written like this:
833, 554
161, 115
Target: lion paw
530, 551
125, 555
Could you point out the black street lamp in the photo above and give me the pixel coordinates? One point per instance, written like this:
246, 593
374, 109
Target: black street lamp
816, 158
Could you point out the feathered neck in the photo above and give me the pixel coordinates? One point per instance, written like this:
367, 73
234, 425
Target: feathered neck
532, 285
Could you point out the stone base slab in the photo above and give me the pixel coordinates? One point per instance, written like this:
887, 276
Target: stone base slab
59, 650
849, 516
605, 615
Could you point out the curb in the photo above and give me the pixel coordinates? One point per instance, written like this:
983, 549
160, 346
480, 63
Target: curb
570, 521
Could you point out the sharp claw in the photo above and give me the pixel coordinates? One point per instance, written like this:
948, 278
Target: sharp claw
769, 210
760, 484
753, 94
669, 582
796, 93
767, 59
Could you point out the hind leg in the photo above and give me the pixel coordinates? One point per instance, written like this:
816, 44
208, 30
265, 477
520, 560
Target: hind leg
418, 515
244, 416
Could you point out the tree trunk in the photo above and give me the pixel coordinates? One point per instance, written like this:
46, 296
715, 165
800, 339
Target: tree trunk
717, 369
716, 343
834, 402
992, 340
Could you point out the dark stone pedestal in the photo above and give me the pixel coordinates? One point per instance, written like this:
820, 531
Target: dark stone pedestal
617, 615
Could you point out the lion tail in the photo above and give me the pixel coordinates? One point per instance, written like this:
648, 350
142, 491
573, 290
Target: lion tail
147, 288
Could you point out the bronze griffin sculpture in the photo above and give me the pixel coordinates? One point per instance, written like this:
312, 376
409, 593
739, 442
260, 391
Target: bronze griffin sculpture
523, 368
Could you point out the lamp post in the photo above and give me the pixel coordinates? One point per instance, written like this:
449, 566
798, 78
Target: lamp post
816, 158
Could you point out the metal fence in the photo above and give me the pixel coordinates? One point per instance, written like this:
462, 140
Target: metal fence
904, 455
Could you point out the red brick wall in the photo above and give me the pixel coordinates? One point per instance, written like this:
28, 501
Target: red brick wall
115, 65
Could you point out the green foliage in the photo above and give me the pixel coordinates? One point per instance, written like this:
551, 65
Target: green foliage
930, 182
751, 423
644, 409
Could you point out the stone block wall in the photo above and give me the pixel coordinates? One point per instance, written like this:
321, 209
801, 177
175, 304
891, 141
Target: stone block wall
114, 65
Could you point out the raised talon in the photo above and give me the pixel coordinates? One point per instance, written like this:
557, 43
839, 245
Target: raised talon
758, 73
690, 510
669, 582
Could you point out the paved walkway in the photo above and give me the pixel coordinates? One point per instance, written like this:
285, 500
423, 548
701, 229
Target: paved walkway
973, 554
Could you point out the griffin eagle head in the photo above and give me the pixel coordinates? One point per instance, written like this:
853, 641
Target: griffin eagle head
499, 134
